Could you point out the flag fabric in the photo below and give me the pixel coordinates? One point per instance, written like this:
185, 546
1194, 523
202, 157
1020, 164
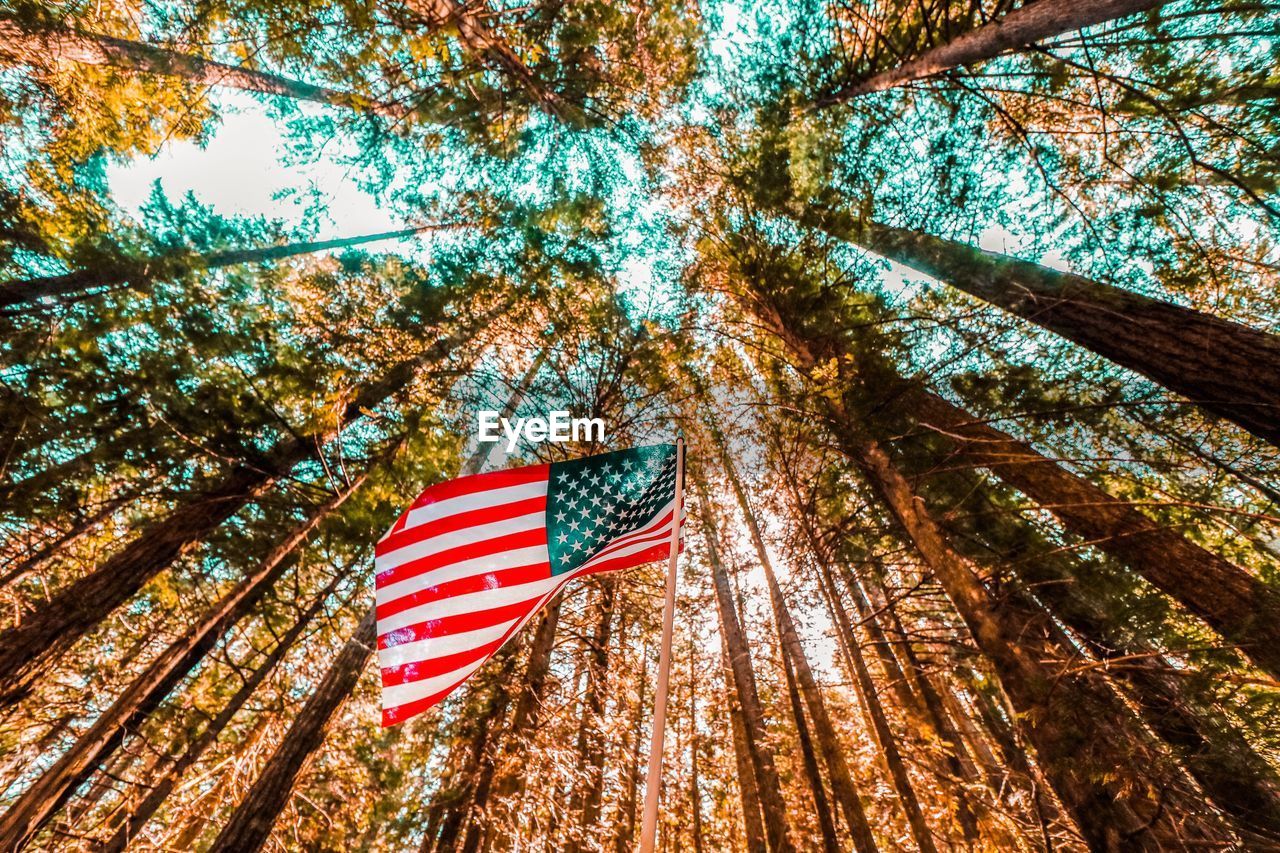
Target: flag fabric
473, 559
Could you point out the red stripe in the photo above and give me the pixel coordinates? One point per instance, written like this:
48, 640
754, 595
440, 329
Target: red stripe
470, 621
649, 555
469, 551
462, 586
470, 518
482, 483
431, 667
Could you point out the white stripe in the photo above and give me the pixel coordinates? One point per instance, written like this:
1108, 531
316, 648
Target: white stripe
471, 602
465, 536
403, 694
438, 647
631, 548
475, 500
512, 559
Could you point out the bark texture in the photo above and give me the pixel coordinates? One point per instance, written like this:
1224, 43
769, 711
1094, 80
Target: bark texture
39, 47
1024, 26
1229, 370
1239, 606
141, 273
47, 794
251, 822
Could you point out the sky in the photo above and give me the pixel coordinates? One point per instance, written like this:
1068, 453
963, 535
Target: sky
242, 171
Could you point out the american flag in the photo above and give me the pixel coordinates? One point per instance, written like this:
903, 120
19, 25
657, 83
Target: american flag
475, 558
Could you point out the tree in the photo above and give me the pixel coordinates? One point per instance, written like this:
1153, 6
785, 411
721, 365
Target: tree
1014, 30
138, 274
252, 821
78, 608
34, 46
768, 785
39, 802
1225, 368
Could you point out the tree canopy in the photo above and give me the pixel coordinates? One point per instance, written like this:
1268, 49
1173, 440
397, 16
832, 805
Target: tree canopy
967, 312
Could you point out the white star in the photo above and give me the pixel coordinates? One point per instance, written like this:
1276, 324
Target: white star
564, 537
561, 516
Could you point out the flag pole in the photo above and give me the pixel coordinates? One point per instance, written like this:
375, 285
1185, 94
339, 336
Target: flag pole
649, 827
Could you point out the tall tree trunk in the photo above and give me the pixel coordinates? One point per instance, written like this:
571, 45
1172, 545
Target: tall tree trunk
918, 710
26, 649
523, 720
1241, 607
1229, 370
1239, 781
1030, 23
145, 693
251, 822
812, 770
842, 783
1116, 783
161, 787
1110, 779
888, 744
695, 795
141, 273
37, 47
456, 799
768, 783
748, 792
623, 840
585, 801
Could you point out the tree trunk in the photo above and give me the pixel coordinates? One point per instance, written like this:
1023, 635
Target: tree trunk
456, 800
1242, 608
145, 693
1030, 23
26, 649
585, 801
1229, 370
137, 817
1239, 781
812, 770
842, 783
523, 719
768, 783
1104, 771
37, 47
142, 272
623, 840
748, 792
695, 795
250, 825
918, 711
